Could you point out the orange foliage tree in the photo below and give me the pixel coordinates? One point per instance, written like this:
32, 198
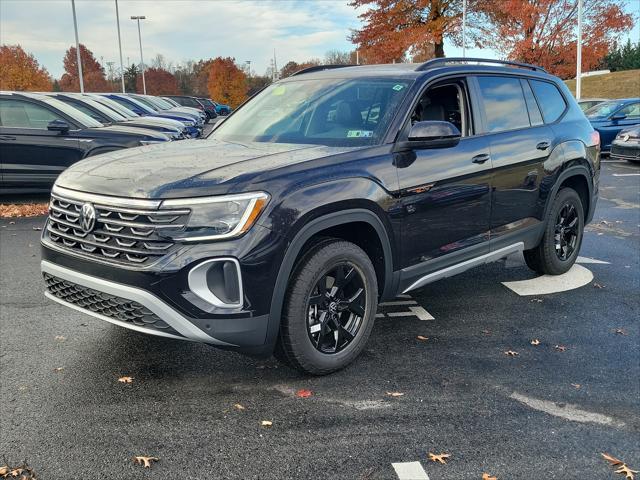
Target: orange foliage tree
292, 67
394, 28
21, 71
92, 72
543, 32
227, 83
159, 82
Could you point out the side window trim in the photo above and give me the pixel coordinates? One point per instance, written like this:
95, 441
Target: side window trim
531, 102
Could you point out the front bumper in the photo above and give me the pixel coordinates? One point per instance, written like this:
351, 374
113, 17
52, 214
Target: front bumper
138, 309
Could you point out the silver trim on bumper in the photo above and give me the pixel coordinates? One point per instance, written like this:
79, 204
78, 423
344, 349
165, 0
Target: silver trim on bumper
179, 323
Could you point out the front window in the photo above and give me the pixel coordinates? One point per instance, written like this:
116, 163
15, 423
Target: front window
332, 112
603, 109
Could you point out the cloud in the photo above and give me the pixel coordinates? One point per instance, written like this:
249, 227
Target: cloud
248, 30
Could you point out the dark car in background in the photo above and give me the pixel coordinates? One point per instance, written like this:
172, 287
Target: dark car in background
186, 101
626, 145
107, 116
41, 136
193, 124
209, 108
610, 117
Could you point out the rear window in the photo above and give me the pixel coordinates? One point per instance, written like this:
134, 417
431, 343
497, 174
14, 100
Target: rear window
550, 100
504, 103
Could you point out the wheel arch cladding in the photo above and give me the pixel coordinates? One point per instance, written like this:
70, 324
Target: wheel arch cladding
342, 224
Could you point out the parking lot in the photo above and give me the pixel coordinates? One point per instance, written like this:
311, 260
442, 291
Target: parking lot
541, 411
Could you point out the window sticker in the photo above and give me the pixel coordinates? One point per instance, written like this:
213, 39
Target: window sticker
359, 133
398, 87
279, 91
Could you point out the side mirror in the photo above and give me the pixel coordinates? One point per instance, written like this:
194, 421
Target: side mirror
431, 134
619, 116
58, 126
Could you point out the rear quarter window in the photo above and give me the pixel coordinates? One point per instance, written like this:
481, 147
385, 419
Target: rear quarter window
550, 100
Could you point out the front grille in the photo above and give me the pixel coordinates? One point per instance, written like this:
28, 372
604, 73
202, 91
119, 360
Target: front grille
632, 152
131, 236
108, 305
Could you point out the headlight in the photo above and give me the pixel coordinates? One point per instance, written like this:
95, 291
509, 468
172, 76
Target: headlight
217, 218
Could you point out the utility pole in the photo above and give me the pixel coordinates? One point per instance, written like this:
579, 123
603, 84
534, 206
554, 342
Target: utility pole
138, 18
275, 66
464, 27
579, 53
75, 27
120, 47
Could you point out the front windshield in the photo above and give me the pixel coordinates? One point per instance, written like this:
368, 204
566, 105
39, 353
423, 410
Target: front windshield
115, 106
332, 112
172, 102
146, 102
137, 103
113, 116
161, 103
603, 109
74, 113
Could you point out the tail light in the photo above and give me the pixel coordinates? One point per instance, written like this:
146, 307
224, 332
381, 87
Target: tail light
595, 139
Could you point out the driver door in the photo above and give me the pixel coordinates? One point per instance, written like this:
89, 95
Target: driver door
445, 192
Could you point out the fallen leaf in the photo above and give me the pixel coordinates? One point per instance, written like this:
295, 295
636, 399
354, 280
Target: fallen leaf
395, 394
23, 210
4, 470
620, 331
303, 393
146, 461
58, 369
597, 285
560, 348
486, 476
60, 338
535, 342
612, 460
442, 458
536, 300
486, 332
576, 385
604, 222
511, 353
37, 228
626, 471
125, 379
16, 471
266, 423
238, 406
422, 339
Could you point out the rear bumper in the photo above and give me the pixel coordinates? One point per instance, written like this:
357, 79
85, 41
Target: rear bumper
140, 310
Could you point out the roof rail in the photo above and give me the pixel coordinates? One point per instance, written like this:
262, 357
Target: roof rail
434, 62
318, 68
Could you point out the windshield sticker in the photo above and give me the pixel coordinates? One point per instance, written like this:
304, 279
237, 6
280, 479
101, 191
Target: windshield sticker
279, 91
359, 133
398, 87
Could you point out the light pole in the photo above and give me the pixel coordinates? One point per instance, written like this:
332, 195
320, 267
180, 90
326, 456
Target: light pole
120, 47
75, 27
464, 27
138, 18
579, 52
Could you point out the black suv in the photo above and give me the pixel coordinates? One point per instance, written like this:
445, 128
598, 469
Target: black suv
328, 192
40, 136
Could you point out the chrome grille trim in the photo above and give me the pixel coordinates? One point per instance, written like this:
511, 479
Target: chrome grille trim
122, 235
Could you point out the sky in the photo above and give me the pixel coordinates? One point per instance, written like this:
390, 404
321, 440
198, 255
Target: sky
248, 30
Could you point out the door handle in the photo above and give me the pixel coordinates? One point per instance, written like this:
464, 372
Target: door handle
7, 137
543, 145
483, 157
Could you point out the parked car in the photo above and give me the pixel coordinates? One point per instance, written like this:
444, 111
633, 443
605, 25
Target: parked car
194, 126
211, 108
222, 109
186, 101
160, 105
587, 103
107, 116
327, 192
626, 145
40, 136
610, 117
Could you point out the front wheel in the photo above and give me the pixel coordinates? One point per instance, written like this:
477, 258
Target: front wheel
560, 244
329, 308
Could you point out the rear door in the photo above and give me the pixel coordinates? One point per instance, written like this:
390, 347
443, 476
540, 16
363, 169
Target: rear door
32, 156
520, 143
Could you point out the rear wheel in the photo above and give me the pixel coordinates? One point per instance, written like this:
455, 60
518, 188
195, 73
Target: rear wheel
558, 250
329, 308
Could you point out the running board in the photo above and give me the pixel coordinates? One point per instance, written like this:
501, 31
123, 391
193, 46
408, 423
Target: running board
466, 265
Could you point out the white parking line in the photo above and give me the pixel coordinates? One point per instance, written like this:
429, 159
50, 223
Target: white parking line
398, 302
418, 311
626, 174
577, 276
410, 471
591, 260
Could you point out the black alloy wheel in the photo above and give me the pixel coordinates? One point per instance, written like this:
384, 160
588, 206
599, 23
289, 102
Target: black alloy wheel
566, 231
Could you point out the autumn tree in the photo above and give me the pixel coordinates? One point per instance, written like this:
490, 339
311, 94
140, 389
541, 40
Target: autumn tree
292, 67
394, 29
20, 70
543, 32
158, 82
227, 83
92, 72
256, 83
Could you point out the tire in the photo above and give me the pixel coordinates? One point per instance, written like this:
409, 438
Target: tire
306, 338
547, 257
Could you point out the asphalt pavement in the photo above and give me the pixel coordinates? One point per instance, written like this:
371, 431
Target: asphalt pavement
546, 411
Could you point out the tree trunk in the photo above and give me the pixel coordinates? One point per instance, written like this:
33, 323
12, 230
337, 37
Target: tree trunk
439, 49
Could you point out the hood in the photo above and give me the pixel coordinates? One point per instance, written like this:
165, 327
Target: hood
186, 168
120, 129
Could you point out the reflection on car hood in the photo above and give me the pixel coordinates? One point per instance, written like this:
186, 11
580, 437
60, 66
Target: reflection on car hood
185, 168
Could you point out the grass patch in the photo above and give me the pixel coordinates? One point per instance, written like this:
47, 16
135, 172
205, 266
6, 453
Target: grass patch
610, 85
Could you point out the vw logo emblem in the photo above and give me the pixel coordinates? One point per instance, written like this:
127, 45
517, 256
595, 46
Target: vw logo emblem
625, 137
87, 217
